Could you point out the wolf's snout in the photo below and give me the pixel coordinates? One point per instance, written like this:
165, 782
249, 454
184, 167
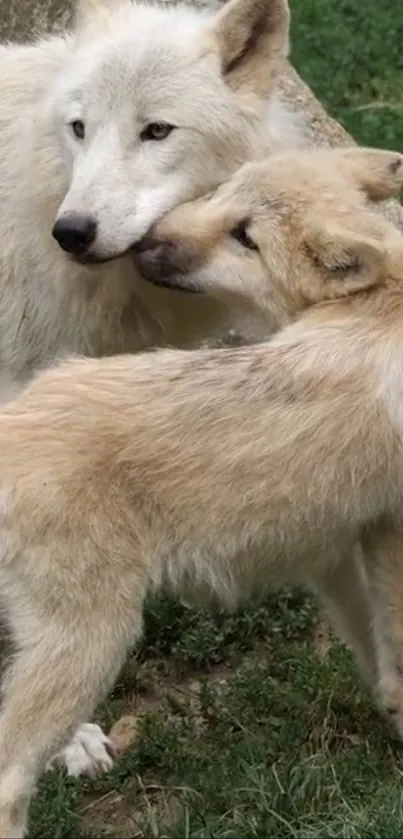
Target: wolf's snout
75, 232
149, 243
159, 261
164, 263
158, 258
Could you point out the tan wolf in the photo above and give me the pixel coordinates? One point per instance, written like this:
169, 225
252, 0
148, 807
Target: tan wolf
213, 472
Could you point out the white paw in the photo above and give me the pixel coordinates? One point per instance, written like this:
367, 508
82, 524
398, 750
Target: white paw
90, 752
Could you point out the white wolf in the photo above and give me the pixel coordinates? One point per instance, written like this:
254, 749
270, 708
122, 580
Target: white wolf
102, 131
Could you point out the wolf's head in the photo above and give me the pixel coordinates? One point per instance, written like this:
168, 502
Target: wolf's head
282, 234
155, 105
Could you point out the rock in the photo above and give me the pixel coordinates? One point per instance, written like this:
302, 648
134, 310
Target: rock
123, 733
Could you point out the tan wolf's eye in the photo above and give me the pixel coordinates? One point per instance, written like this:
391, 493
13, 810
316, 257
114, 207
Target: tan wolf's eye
78, 129
157, 131
239, 232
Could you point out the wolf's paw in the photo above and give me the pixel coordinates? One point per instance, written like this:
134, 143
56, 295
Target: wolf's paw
90, 752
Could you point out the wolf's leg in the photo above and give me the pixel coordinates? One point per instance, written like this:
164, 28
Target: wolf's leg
383, 557
54, 682
344, 590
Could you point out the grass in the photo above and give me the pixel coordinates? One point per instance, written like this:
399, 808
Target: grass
349, 52
255, 725
252, 725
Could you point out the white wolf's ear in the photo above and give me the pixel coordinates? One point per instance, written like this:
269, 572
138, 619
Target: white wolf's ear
377, 172
94, 14
252, 37
347, 261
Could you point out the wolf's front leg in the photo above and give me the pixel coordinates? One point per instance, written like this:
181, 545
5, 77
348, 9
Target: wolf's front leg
344, 591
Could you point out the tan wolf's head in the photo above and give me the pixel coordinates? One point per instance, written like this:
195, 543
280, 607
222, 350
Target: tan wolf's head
296, 229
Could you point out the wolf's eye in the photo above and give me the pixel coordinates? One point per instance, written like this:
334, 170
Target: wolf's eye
156, 131
78, 129
242, 236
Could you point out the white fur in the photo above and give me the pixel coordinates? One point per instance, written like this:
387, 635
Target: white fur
88, 753
117, 73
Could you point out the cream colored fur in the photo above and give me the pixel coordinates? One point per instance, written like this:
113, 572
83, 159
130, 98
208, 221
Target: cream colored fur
214, 472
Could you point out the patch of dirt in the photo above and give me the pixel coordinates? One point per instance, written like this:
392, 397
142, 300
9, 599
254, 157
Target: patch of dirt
115, 815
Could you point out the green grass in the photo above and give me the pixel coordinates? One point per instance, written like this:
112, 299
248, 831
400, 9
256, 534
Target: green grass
246, 730
253, 731
350, 53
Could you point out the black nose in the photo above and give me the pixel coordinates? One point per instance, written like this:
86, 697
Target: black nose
75, 232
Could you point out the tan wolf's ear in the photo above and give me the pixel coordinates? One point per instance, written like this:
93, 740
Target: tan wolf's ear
252, 36
347, 261
93, 14
376, 171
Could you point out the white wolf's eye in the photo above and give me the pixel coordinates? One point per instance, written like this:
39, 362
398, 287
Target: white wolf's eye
241, 235
157, 131
78, 129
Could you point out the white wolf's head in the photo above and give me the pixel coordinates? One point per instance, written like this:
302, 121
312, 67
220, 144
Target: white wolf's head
155, 105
